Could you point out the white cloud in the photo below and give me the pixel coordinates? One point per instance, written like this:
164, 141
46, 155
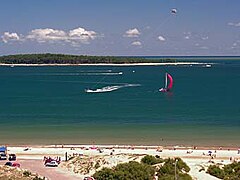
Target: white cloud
74, 36
204, 47
147, 27
44, 35
82, 35
204, 38
235, 45
132, 33
7, 37
161, 38
136, 43
187, 35
234, 24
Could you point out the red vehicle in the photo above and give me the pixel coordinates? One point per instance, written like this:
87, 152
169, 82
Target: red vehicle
15, 164
12, 164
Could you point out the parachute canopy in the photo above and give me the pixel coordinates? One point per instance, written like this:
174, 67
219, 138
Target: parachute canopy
174, 11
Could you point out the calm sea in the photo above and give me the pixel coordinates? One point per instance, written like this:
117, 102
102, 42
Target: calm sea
48, 105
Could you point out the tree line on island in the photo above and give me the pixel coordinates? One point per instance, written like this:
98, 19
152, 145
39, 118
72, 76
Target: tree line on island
76, 59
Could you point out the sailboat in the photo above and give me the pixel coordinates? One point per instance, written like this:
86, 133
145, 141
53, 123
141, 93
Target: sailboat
168, 83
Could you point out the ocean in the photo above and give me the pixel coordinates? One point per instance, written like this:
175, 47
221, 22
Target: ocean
49, 105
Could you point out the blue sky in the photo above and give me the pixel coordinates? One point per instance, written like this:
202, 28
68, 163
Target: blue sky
110, 27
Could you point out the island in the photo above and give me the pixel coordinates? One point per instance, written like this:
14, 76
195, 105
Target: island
66, 59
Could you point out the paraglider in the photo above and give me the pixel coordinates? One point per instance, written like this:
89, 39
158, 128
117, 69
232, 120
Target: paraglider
174, 11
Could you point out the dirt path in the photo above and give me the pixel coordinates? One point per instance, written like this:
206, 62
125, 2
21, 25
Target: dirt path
52, 173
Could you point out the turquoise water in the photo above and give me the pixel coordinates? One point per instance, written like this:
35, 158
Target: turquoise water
48, 105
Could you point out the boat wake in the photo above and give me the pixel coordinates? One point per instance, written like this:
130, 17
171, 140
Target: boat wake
83, 73
103, 74
109, 88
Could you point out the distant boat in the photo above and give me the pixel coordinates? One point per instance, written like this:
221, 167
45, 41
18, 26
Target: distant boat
104, 89
168, 83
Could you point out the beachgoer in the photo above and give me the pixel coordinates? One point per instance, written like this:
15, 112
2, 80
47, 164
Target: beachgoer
66, 156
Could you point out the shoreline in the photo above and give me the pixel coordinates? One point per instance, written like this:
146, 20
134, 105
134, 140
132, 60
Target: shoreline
127, 146
112, 64
195, 153
197, 158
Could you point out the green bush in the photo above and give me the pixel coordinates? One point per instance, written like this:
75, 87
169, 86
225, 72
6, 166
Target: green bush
216, 171
151, 160
143, 171
27, 173
126, 171
229, 172
184, 177
104, 174
135, 170
168, 169
172, 177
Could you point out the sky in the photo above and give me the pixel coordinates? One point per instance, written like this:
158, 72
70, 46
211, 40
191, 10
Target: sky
121, 27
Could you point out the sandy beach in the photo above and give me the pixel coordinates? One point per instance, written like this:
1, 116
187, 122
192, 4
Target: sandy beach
110, 64
31, 157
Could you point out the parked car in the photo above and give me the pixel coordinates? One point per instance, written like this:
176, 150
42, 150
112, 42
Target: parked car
3, 156
12, 157
88, 178
15, 164
8, 163
52, 164
12, 164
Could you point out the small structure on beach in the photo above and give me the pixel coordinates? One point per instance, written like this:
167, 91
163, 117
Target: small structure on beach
3, 149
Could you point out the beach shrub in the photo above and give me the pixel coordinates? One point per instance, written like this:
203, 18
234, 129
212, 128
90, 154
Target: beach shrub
167, 171
27, 173
184, 177
105, 173
97, 165
230, 171
135, 170
144, 171
172, 177
151, 160
216, 171
126, 171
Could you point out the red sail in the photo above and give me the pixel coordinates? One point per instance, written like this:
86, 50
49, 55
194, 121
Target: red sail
170, 85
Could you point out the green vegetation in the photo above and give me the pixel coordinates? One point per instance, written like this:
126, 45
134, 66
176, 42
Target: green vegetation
165, 170
74, 59
230, 171
27, 173
126, 171
151, 160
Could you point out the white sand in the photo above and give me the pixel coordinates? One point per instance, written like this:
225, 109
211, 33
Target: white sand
196, 160
108, 64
